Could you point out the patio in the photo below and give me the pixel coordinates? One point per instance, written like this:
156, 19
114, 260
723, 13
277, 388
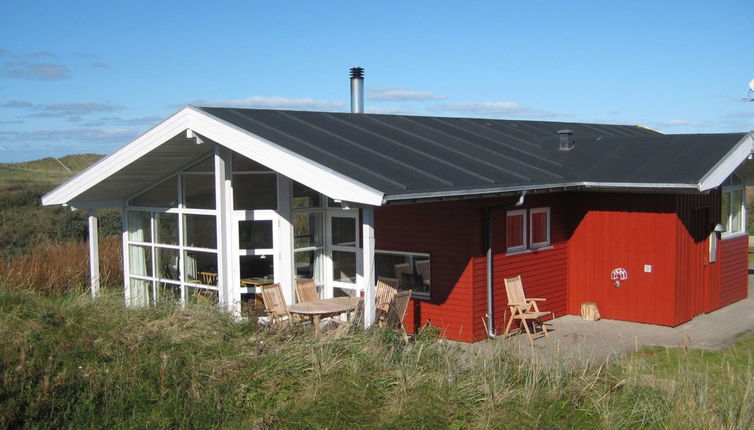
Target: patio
570, 337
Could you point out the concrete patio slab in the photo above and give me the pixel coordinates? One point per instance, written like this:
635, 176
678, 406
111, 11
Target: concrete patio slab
571, 337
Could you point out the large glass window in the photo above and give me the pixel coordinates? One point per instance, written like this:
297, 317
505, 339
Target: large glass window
255, 234
410, 271
163, 195
254, 191
733, 205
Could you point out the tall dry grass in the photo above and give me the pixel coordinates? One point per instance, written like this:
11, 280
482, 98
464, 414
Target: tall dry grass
53, 268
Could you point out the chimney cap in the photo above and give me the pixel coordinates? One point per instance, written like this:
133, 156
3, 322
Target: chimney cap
565, 131
357, 73
566, 140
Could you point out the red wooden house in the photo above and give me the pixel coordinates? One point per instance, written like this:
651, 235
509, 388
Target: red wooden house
649, 226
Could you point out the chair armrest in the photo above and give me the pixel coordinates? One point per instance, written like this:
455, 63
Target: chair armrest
534, 299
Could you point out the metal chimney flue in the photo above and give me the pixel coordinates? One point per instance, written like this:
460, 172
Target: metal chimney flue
567, 141
357, 90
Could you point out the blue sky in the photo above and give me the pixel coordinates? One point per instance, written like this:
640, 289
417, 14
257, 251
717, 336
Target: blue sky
90, 76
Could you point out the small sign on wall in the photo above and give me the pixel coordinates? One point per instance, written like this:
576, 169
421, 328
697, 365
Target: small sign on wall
617, 275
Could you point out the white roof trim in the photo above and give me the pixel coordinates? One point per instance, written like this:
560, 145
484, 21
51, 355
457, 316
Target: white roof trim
728, 164
277, 158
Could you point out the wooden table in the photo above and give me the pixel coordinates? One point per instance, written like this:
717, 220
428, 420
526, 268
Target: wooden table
325, 307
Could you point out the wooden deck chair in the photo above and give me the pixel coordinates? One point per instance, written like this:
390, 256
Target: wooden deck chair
397, 311
306, 290
386, 289
523, 308
274, 303
208, 278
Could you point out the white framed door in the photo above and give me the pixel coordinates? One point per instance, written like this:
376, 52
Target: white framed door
343, 265
255, 241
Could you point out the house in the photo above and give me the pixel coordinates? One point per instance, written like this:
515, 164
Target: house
651, 227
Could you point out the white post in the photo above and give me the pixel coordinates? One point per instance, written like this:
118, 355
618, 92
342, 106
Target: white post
93, 253
368, 266
229, 294
126, 279
284, 246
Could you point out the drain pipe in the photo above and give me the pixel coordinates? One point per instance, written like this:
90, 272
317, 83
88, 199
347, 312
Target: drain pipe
490, 262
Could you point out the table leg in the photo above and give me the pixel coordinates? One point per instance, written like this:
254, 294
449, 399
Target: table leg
315, 320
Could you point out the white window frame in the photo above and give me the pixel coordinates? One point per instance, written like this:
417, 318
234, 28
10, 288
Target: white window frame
414, 294
532, 212
730, 188
522, 214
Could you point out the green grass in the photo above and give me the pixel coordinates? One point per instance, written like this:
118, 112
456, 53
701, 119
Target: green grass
73, 362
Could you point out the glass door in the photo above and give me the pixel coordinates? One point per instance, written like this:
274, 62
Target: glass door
255, 235
343, 249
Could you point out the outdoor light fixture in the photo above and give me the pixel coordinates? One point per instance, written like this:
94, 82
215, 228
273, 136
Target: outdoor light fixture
719, 228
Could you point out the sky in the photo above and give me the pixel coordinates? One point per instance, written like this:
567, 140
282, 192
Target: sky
89, 77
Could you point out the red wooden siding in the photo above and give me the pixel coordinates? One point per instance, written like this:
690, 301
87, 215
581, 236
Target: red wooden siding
733, 270
451, 233
625, 231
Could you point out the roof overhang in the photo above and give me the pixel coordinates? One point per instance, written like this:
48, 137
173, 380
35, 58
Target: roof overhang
80, 190
728, 164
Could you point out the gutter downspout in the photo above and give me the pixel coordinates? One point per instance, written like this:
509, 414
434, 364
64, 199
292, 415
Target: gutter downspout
490, 258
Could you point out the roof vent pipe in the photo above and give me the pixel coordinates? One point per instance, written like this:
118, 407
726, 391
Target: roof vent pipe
567, 141
357, 90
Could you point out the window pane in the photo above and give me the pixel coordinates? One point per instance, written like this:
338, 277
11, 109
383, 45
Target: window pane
307, 230
139, 226
167, 264
735, 208
725, 216
140, 260
409, 271
201, 267
343, 231
168, 292
140, 292
514, 231
259, 267
164, 195
344, 266
305, 197
243, 164
255, 234
252, 192
199, 231
167, 228
539, 226
735, 180
201, 296
199, 191
309, 264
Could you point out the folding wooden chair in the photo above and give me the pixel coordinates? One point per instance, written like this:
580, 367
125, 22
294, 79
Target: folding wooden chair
397, 311
306, 290
523, 308
386, 289
274, 303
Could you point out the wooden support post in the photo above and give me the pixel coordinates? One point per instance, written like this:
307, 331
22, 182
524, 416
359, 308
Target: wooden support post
368, 266
93, 253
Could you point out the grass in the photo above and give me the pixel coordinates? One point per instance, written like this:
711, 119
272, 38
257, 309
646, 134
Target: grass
74, 362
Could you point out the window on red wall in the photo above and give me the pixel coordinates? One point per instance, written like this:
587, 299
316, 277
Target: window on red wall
539, 222
515, 230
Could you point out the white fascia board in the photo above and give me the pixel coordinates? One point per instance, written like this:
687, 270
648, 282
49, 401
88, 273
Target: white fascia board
728, 164
277, 158
314, 175
118, 160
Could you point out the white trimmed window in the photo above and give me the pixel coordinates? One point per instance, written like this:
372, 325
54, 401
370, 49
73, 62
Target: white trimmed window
527, 229
409, 270
733, 216
539, 227
515, 230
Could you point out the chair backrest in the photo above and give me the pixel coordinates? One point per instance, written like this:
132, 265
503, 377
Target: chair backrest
422, 268
386, 289
402, 268
274, 302
208, 278
397, 310
306, 290
515, 290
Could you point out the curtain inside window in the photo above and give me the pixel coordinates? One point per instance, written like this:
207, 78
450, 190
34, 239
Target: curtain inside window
137, 261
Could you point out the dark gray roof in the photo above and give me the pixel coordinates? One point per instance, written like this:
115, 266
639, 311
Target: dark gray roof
405, 156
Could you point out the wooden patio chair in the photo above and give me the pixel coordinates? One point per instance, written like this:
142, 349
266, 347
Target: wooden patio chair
306, 290
274, 303
208, 278
386, 289
522, 308
397, 311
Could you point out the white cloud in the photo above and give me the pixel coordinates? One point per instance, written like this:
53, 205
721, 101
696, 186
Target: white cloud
274, 103
34, 71
17, 104
400, 94
108, 135
389, 110
80, 108
504, 108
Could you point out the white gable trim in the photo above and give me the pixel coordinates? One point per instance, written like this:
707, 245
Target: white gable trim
728, 164
286, 162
